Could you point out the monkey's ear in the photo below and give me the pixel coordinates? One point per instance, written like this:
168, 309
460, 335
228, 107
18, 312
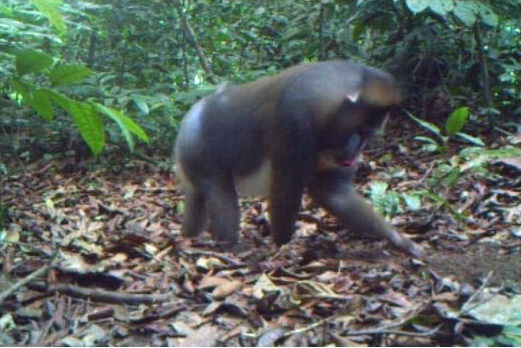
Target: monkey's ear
353, 97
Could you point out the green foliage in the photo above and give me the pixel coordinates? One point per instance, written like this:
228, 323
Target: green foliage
468, 12
456, 121
390, 203
499, 311
476, 158
510, 336
50, 9
384, 201
127, 126
39, 81
445, 175
68, 74
86, 115
31, 61
432, 46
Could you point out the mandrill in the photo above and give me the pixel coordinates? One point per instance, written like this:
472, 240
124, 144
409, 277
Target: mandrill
278, 136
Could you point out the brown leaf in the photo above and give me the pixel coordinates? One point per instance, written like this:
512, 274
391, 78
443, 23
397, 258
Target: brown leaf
396, 298
209, 282
226, 289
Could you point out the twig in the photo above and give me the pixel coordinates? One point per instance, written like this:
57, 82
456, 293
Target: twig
97, 295
511, 245
45, 332
485, 78
191, 35
466, 306
389, 328
22, 282
164, 315
307, 328
385, 331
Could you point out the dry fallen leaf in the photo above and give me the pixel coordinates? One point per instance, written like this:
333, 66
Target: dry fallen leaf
209, 282
226, 289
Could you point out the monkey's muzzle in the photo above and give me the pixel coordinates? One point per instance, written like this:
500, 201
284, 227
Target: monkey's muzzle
355, 145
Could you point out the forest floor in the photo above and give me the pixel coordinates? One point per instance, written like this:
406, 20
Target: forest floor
90, 254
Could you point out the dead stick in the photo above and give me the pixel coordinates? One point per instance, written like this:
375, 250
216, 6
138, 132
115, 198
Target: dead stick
5, 294
466, 306
191, 35
384, 331
97, 295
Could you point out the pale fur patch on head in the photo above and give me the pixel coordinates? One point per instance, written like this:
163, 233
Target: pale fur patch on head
382, 93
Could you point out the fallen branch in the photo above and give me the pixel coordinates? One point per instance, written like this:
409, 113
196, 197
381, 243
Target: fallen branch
97, 295
38, 273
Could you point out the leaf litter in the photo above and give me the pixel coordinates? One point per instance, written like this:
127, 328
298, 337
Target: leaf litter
95, 258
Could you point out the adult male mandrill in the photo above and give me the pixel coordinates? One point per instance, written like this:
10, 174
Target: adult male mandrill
276, 137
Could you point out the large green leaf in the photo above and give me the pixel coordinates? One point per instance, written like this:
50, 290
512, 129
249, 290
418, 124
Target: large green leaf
68, 74
466, 11
427, 125
417, 6
141, 105
125, 123
41, 102
49, 8
23, 89
89, 123
441, 7
86, 118
457, 119
473, 140
496, 309
30, 61
487, 15
413, 201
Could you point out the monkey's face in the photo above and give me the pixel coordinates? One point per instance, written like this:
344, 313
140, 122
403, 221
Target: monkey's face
352, 128
345, 155
354, 119
368, 119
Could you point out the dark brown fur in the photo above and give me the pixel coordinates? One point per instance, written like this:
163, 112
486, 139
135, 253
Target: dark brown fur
304, 126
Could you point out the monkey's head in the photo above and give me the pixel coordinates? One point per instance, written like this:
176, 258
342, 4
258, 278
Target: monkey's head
362, 114
374, 97
379, 89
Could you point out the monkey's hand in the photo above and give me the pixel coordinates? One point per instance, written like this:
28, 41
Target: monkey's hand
407, 246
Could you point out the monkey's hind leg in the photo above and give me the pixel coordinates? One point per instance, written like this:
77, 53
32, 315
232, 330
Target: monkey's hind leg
224, 211
196, 213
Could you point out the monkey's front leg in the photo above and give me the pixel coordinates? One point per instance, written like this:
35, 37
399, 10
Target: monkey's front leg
285, 196
334, 191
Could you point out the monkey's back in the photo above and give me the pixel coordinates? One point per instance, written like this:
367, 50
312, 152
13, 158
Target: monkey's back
223, 135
